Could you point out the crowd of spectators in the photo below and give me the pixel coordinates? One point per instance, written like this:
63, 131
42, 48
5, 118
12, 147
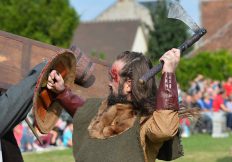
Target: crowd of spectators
214, 99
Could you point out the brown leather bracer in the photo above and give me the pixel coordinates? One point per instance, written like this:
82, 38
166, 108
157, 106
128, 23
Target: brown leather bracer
70, 101
167, 95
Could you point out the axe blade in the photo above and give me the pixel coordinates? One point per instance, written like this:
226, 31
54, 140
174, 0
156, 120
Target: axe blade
176, 11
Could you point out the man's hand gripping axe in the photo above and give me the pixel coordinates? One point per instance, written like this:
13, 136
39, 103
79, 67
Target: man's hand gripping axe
176, 11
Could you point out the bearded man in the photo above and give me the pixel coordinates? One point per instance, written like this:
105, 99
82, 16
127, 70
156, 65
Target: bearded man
135, 122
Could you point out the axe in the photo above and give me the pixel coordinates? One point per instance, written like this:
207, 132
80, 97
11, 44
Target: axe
176, 11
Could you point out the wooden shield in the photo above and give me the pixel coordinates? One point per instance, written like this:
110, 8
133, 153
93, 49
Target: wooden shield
46, 109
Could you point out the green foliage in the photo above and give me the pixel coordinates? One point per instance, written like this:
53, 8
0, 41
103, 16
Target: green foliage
167, 33
102, 56
214, 65
94, 53
99, 55
49, 21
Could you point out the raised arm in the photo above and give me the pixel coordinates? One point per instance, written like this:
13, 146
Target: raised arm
164, 122
16, 102
70, 101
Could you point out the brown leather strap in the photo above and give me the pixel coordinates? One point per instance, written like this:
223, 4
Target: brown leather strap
46, 98
167, 96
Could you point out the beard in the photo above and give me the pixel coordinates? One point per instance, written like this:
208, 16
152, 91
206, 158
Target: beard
119, 98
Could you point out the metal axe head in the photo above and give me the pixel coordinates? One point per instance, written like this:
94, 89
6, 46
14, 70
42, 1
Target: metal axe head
176, 11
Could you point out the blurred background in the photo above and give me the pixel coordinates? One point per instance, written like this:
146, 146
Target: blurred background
31, 31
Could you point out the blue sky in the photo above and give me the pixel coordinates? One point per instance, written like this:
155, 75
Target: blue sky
89, 9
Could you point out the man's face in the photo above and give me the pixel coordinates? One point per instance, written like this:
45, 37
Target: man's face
114, 76
118, 90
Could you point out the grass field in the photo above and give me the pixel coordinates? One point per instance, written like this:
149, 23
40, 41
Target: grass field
204, 148
53, 156
198, 148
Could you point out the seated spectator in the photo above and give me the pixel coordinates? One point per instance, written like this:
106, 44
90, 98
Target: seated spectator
205, 119
207, 103
197, 100
219, 112
219, 102
27, 138
228, 86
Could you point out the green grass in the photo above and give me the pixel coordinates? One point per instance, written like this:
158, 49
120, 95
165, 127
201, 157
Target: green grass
197, 148
53, 156
204, 148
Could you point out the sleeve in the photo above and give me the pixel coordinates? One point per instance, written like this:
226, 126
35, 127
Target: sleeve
16, 102
164, 122
161, 126
70, 101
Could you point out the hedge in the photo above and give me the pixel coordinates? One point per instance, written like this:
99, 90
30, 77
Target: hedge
213, 65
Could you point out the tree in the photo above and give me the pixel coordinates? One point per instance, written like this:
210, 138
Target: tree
49, 21
167, 33
214, 65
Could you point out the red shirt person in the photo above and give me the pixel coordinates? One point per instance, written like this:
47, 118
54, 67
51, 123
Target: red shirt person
218, 103
228, 86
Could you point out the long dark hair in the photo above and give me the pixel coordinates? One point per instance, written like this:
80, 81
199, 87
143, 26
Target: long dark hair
143, 96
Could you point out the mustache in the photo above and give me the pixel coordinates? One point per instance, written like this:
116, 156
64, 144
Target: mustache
115, 99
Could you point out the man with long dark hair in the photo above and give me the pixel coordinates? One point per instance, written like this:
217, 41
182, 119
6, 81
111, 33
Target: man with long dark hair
136, 122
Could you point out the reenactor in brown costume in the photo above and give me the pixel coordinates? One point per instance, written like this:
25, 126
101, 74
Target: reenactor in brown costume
135, 123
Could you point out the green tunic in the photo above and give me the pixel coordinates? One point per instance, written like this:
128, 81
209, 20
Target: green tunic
125, 147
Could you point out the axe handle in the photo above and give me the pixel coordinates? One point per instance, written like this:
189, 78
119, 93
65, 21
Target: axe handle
188, 43
33, 131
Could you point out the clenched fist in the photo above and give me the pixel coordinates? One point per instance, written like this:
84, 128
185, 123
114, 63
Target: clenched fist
55, 82
171, 59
